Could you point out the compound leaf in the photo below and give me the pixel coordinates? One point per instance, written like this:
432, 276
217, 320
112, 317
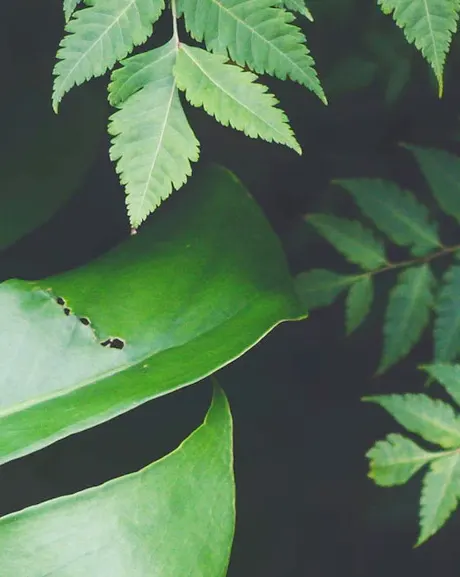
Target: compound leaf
407, 314
256, 34
440, 493
358, 303
442, 171
395, 212
396, 459
447, 321
133, 526
152, 143
448, 376
99, 35
318, 287
185, 296
355, 242
230, 95
432, 419
429, 24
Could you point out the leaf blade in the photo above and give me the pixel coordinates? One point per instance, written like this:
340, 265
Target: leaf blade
447, 320
395, 212
407, 314
230, 95
358, 303
349, 237
396, 459
153, 144
448, 376
319, 287
432, 419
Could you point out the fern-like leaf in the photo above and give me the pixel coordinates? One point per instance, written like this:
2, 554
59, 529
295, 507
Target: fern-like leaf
432, 419
255, 33
447, 321
395, 212
448, 376
429, 24
100, 35
358, 303
355, 242
298, 6
69, 8
407, 314
153, 143
441, 488
396, 459
230, 95
442, 171
319, 288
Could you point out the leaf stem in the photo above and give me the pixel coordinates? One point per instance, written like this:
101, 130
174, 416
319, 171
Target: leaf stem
174, 18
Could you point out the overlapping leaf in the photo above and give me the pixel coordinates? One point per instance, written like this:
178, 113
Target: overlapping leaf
448, 376
355, 242
134, 526
407, 314
318, 288
98, 36
395, 212
152, 143
358, 303
230, 95
396, 459
186, 295
442, 171
429, 24
447, 321
257, 34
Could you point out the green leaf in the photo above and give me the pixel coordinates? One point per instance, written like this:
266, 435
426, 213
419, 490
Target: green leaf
187, 295
69, 8
318, 287
349, 237
448, 376
42, 167
407, 314
100, 35
134, 526
152, 143
442, 171
429, 24
230, 95
256, 34
298, 6
358, 303
395, 212
447, 321
432, 419
396, 459
439, 495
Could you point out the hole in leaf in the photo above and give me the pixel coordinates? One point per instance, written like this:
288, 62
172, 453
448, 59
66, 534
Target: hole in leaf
85, 321
67, 311
114, 343
60, 301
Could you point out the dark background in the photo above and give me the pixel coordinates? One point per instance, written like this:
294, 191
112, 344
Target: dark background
305, 506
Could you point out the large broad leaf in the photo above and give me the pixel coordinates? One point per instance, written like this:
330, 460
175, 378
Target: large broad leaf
98, 36
230, 95
429, 24
152, 143
175, 517
257, 34
395, 212
187, 295
47, 157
